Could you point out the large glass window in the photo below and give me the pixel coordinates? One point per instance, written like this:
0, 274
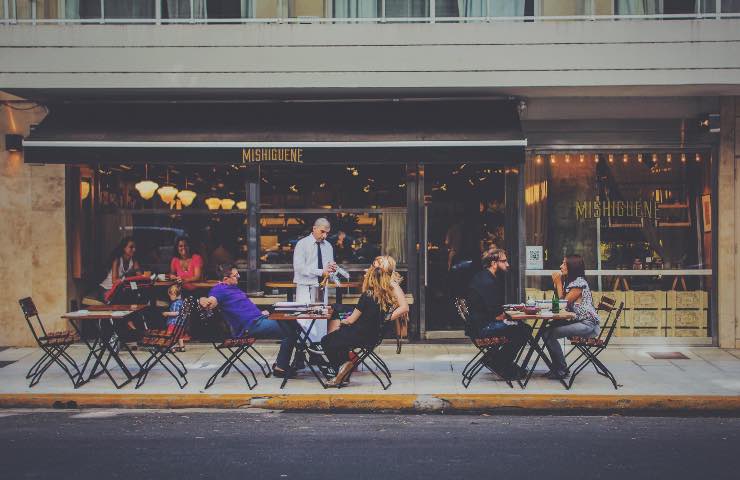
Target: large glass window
206, 204
366, 205
642, 222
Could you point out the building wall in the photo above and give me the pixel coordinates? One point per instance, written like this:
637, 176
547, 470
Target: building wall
509, 56
33, 260
729, 225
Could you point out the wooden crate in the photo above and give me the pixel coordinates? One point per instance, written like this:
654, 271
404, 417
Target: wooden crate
534, 294
647, 332
623, 321
649, 299
687, 332
622, 331
616, 296
690, 300
646, 318
687, 318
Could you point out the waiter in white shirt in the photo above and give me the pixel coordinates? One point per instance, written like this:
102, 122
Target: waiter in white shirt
312, 259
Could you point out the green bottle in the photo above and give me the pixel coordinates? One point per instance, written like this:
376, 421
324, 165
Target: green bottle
555, 303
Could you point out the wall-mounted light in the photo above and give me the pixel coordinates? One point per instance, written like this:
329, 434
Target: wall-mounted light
13, 142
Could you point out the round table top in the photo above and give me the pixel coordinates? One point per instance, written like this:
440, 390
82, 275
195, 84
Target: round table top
292, 285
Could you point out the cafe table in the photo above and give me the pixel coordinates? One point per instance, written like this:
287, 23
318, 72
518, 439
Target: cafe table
303, 340
102, 349
290, 288
542, 319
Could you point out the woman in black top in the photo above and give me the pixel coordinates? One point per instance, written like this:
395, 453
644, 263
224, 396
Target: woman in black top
381, 294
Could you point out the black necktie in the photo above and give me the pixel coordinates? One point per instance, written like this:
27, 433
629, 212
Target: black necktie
318, 255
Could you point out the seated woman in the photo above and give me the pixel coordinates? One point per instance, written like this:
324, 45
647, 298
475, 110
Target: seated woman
382, 296
123, 264
570, 284
186, 267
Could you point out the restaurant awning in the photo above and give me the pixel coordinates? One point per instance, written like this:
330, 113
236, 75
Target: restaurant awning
213, 132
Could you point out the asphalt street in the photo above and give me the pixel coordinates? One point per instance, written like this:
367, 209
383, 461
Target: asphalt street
135, 444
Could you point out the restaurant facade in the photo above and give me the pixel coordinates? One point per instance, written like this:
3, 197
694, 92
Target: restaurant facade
643, 187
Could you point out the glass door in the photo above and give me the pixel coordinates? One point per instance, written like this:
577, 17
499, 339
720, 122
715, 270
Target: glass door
466, 211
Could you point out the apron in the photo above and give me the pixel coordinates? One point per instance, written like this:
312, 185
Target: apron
303, 295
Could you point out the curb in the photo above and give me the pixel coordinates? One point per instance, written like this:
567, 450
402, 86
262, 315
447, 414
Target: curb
386, 402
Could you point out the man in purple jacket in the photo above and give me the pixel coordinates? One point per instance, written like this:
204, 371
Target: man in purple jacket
244, 317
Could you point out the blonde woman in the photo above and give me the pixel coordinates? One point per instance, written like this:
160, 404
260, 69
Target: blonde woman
382, 299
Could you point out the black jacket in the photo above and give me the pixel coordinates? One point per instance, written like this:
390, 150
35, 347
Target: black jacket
485, 300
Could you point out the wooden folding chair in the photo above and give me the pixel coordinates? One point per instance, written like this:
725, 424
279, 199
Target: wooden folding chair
487, 348
161, 346
590, 348
236, 347
53, 344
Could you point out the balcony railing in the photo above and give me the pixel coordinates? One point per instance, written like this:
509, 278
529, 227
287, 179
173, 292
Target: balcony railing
355, 11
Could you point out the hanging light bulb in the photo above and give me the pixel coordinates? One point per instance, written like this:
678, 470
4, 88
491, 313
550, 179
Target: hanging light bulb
552, 159
538, 159
698, 157
625, 158
213, 203
639, 157
227, 203
611, 158
668, 158
167, 192
84, 189
683, 158
146, 187
567, 158
581, 158
655, 158
596, 158
186, 196
242, 205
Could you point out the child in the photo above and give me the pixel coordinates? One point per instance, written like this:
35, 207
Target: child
175, 294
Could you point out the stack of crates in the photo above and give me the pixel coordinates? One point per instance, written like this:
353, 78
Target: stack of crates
688, 314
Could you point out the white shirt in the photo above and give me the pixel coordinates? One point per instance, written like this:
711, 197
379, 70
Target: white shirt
305, 260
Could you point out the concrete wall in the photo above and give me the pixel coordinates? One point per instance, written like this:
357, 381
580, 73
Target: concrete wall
33, 258
728, 268
504, 56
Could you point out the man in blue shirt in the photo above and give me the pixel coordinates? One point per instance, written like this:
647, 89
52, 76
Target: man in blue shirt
244, 317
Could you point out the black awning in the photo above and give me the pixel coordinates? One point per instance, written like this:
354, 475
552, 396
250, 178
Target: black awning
216, 132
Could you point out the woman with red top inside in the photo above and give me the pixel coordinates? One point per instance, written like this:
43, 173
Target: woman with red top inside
186, 267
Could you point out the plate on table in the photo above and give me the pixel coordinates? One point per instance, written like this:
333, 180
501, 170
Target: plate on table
78, 313
546, 314
513, 313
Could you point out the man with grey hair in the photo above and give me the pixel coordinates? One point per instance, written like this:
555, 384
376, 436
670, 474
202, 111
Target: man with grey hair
313, 258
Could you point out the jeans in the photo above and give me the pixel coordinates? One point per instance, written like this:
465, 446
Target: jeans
517, 335
553, 333
263, 327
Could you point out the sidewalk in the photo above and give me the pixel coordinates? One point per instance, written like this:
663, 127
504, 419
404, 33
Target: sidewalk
426, 377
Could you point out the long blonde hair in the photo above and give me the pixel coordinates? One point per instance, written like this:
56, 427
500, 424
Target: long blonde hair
379, 281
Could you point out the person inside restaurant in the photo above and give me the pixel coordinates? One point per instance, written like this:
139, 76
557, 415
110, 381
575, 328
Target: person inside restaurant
570, 284
382, 299
313, 259
244, 318
123, 263
186, 267
486, 300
